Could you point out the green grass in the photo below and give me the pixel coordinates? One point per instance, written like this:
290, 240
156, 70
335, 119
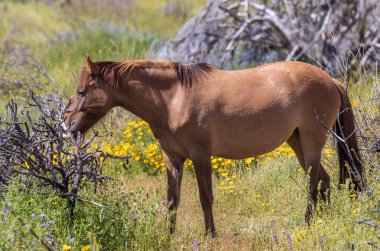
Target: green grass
129, 220
58, 41
270, 201
64, 60
32, 24
59, 37
141, 16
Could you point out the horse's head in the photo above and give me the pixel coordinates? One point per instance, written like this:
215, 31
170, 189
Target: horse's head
91, 101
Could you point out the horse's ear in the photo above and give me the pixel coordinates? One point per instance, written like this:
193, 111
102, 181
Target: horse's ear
91, 66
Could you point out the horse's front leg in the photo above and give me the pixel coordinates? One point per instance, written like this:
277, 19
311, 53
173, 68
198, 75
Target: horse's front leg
202, 166
174, 170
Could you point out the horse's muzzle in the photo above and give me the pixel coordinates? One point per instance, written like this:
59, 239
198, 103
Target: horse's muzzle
75, 134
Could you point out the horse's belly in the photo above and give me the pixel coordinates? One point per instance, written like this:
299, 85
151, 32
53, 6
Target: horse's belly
240, 148
242, 138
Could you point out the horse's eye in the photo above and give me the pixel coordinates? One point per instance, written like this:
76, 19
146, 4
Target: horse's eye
81, 93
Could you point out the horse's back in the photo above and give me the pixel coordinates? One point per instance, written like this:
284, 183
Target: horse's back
290, 87
250, 112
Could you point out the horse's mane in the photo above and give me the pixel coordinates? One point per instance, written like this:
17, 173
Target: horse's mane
192, 73
188, 74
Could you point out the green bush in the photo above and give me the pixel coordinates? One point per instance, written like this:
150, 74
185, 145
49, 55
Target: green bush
125, 221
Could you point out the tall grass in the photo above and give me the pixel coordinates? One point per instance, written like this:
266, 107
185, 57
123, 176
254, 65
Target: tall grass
160, 17
57, 40
265, 213
64, 60
31, 24
127, 220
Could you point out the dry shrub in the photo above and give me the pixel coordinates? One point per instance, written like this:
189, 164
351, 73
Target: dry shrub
35, 145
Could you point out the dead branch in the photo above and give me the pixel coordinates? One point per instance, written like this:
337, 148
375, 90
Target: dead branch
35, 145
242, 32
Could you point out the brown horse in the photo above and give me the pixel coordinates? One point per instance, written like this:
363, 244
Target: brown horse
196, 111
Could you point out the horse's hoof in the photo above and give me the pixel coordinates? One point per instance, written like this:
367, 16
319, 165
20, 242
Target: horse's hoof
212, 232
172, 230
308, 216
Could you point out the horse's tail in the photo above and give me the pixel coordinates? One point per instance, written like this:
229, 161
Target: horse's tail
348, 149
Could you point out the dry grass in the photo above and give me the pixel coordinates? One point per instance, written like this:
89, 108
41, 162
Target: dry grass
245, 221
190, 226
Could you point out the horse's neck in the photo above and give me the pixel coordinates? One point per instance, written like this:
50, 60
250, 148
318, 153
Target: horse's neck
149, 95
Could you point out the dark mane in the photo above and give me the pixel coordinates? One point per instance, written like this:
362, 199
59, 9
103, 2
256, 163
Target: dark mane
188, 74
109, 71
106, 70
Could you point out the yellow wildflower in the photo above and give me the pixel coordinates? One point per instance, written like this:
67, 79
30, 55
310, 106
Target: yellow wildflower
86, 248
66, 247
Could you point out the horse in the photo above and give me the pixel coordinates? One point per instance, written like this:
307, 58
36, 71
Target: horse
196, 111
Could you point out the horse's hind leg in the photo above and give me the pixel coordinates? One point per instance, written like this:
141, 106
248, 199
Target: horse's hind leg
325, 185
308, 148
295, 143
